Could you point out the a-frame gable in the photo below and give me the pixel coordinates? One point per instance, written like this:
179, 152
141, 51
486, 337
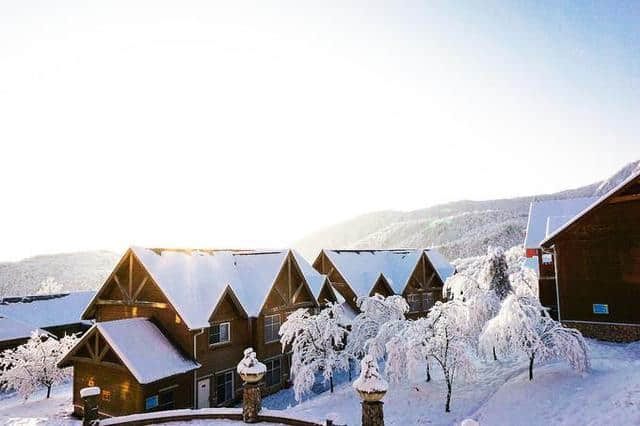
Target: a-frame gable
381, 287
424, 276
228, 307
290, 288
129, 284
93, 348
627, 191
325, 266
327, 293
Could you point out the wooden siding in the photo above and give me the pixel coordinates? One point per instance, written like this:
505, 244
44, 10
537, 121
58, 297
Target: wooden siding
126, 395
598, 262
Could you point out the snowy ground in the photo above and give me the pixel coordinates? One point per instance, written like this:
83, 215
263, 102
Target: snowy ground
503, 395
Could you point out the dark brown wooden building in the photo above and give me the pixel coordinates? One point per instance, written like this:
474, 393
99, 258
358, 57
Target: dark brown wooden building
416, 274
596, 260
545, 216
201, 309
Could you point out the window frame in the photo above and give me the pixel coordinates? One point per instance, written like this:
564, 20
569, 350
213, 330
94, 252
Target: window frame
416, 299
232, 382
219, 325
277, 338
269, 372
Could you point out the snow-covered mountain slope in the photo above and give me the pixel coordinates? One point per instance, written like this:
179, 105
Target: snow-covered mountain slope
459, 229
75, 271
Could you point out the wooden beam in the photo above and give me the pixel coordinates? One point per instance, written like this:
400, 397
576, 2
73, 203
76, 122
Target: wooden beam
289, 279
297, 293
122, 290
88, 345
280, 294
139, 289
97, 340
139, 303
130, 275
624, 198
103, 352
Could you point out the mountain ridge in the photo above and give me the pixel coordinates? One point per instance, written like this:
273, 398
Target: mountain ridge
459, 229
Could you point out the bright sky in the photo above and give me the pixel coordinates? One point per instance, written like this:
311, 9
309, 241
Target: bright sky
251, 124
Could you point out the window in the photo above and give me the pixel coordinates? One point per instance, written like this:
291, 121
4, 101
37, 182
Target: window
271, 328
224, 387
415, 302
219, 333
165, 400
273, 372
599, 308
106, 395
420, 302
151, 402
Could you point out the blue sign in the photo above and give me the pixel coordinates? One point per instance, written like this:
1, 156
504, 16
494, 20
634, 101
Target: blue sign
599, 308
151, 402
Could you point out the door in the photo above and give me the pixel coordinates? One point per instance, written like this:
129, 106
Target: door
204, 390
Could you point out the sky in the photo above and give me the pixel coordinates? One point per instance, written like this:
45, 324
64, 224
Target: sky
251, 124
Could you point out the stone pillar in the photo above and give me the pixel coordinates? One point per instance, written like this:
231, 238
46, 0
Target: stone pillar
251, 402
90, 404
372, 414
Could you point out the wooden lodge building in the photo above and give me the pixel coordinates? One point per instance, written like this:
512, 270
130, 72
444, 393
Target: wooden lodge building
595, 258
416, 274
171, 326
545, 216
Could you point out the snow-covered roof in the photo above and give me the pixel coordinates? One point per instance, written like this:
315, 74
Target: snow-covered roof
194, 281
362, 268
12, 329
313, 277
559, 210
131, 339
48, 311
596, 202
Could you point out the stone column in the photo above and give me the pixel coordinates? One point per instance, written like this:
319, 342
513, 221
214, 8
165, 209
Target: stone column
372, 414
251, 402
90, 404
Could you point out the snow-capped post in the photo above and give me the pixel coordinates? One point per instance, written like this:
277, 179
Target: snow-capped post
251, 371
371, 387
90, 405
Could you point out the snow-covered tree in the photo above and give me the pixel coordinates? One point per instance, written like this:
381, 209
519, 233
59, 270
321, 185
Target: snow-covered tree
443, 337
317, 342
522, 327
450, 344
34, 364
495, 273
375, 311
49, 286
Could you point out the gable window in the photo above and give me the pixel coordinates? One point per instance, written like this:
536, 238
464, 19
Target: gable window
415, 302
224, 387
220, 333
271, 328
420, 302
272, 377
